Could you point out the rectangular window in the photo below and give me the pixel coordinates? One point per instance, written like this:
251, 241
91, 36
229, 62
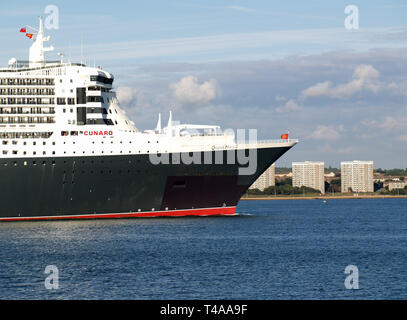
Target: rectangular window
81, 115
101, 79
94, 99
80, 95
61, 101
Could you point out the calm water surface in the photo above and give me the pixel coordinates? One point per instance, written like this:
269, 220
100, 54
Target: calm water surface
294, 249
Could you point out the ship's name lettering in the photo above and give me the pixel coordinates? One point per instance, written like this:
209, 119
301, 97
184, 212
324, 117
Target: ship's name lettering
98, 133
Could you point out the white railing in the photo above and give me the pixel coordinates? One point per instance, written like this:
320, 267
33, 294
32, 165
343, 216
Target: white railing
275, 141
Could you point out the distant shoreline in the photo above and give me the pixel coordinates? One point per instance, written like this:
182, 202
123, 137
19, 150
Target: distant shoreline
328, 197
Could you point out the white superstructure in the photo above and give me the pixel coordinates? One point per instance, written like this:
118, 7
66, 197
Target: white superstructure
58, 109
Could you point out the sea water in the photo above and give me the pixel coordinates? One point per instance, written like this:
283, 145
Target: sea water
281, 249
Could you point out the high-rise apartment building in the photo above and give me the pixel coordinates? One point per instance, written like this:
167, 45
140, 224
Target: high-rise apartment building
357, 176
309, 174
266, 180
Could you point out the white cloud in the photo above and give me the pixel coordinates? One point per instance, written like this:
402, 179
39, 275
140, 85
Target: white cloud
323, 132
388, 124
398, 88
223, 46
364, 78
280, 98
241, 8
289, 106
188, 90
335, 150
126, 94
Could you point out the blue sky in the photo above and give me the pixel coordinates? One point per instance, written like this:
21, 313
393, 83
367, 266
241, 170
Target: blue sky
270, 65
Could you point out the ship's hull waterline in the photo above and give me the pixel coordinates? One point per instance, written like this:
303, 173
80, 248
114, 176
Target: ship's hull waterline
123, 186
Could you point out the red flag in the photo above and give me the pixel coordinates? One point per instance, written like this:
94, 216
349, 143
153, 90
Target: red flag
284, 136
23, 30
29, 35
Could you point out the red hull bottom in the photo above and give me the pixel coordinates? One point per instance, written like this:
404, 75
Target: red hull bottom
172, 213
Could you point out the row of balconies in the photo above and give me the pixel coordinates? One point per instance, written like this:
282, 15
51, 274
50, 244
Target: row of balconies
27, 81
24, 135
21, 110
25, 91
27, 120
5, 101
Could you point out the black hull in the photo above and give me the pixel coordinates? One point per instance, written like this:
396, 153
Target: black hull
93, 186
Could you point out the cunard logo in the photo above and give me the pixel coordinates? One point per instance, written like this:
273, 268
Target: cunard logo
98, 133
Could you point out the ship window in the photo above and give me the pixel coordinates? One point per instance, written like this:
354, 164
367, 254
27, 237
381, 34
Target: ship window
5, 142
5, 151
61, 101
101, 79
64, 133
94, 99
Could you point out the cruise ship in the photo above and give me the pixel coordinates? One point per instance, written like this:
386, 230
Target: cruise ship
69, 151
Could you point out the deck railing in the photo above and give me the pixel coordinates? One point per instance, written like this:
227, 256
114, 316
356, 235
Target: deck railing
275, 141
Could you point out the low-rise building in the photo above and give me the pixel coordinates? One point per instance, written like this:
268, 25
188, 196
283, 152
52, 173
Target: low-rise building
397, 185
